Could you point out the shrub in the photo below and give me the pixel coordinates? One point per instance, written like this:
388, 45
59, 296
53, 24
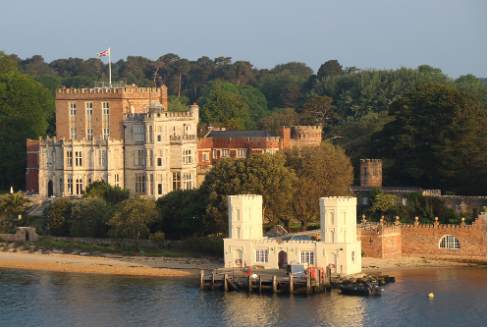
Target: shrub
211, 245
59, 216
88, 218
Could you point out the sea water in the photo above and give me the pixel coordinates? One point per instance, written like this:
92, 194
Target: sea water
43, 298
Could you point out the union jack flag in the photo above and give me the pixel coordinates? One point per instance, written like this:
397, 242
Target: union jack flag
105, 53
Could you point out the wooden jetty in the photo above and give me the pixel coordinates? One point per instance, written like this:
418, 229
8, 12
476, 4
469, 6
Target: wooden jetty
275, 281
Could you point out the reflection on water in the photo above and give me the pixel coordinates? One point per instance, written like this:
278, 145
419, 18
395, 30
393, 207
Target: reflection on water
40, 298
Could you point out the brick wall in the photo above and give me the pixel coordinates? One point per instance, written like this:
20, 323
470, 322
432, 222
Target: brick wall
380, 241
32, 172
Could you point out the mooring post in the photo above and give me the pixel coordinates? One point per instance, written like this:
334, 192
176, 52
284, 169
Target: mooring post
329, 276
250, 283
213, 280
275, 287
260, 284
201, 279
291, 284
308, 281
226, 287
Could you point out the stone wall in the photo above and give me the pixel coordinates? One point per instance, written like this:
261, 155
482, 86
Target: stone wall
464, 204
24, 234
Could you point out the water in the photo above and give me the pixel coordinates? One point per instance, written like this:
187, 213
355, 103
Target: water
42, 298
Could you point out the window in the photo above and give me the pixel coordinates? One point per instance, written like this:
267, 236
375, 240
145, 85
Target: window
102, 157
175, 130
225, 152
187, 156
404, 201
89, 108
140, 187
353, 256
307, 257
365, 200
138, 133
159, 138
262, 255
449, 242
176, 181
187, 129
116, 180
49, 157
69, 158
73, 134
150, 134
70, 185
79, 186
72, 109
214, 153
61, 185
106, 133
89, 134
160, 189
151, 184
151, 161
205, 157
160, 158
106, 108
187, 180
78, 158
270, 151
241, 153
139, 157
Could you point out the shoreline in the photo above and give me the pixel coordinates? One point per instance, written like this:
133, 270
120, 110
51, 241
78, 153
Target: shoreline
180, 267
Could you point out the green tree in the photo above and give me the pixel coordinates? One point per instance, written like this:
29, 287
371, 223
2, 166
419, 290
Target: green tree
382, 203
329, 68
279, 118
59, 216
12, 203
176, 104
375, 191
274, 86
89, 218
294, 68
438, 140
7, 64
131, 219
319, 110
103, 190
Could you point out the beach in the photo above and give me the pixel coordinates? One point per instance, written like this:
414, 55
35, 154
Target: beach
175, 267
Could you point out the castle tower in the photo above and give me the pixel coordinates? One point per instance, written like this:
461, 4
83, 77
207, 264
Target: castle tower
371, 173
338, 219
245, 217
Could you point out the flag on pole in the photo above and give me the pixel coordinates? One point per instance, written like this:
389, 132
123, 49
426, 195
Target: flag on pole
105, 53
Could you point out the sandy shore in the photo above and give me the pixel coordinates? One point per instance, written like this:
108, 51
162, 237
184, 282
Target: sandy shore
150, 266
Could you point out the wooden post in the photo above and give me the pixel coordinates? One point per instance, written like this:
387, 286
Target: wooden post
250, 283
275, 287
319, 280
291, 284
308, 282
201, 279
260, 284
213, 280
226, 287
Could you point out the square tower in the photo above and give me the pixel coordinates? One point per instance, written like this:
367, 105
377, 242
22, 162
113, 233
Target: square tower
371, 174
338, 219
245, 216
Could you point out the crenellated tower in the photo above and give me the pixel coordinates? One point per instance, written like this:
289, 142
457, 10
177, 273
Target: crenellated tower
371, 173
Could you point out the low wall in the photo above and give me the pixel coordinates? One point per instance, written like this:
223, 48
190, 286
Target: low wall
380, 241
464, 204
108, 241
24, 234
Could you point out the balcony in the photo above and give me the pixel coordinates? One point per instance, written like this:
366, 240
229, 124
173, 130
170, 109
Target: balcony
189, 138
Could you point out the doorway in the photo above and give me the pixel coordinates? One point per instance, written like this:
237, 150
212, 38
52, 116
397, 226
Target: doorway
282, 260
50, 191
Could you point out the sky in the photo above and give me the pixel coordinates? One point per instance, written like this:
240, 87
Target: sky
381, 34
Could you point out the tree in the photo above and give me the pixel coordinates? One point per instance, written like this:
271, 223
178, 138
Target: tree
12, 203
319, 110
264, 174
329, 68
279, 118
294, 68
88, 218
7, 64
382, 203
437, 140
59, 216
103, 190
176, 104
131, 219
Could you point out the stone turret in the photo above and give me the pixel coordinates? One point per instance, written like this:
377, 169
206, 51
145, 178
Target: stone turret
371, 173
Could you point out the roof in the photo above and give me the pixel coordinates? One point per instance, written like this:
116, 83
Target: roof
390, 189
241, 134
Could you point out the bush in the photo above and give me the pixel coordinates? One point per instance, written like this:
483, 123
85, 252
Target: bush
59, 216
88, 218
211, 245
39, 224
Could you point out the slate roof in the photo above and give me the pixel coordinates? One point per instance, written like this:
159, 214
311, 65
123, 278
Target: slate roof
241, 134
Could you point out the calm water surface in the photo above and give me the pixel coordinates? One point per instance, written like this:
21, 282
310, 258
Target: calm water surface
42, 298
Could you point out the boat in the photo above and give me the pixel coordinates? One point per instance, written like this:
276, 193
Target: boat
369, 288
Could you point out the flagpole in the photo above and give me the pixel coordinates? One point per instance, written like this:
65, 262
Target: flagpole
109, 68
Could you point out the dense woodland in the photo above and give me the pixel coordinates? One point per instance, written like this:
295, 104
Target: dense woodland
429, 129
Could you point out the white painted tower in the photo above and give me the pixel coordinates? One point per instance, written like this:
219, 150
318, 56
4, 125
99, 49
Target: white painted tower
245, 217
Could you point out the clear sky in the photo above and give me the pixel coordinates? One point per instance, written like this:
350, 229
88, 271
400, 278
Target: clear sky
447, 34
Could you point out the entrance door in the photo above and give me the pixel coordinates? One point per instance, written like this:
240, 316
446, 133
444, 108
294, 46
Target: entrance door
282, 260
332, 262
238, 258
50, 189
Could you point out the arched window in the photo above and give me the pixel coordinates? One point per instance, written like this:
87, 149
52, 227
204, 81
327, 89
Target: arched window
449, 242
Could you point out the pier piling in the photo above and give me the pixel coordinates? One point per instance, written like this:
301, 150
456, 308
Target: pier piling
226, 287
275, 286
201, 279
213, 280
291, 284
250, 283
309, 289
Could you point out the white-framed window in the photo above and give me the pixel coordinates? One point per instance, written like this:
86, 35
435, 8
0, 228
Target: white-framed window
307, 257
187, 158
69, 158
78, 158
241, 153
214, 153
79, 185
89, 134
404, 201
49, 157
176, 181
102, 157
261, 256
365, 200
138, 133
139, 157
353, 256
140, 183
106, 133
187, 129
72, 109
449, 242
73, 134
270, 151
106, 108
89, 108
205, 157
187, 180
70, 185
225, 152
